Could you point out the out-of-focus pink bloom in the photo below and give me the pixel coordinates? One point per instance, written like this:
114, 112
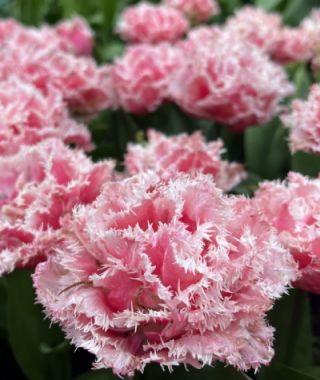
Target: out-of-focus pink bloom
166, 271
8, 27
184, 154
291, 45
84, 86
141, 76
39, 186
149, 23
230, 82
27, 116
45, 58
200, 36
311, 27
304, 123
256, 26
73, 36
76, 36
293, 208
199, 10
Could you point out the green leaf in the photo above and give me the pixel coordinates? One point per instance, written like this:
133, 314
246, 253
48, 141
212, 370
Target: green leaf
29, 333
3, 308
124, 129
248, 186
73, 7
219, 372
266, 150
293, 339
226, 373
283, 372
30, 12
109, 9
234, 144
296, 10
110, 51
305, 163
302, 81
268, 4
230, 6
102, 374
313, 371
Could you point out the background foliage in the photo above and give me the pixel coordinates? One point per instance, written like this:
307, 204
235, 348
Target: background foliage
28, 347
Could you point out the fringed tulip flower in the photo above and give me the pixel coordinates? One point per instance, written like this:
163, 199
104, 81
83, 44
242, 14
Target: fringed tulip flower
291, 45
184, 154
149, 23
311, 27
76, 36
39, 186
44, 58
27, 116
200, 36
230, 82
141, 76
293, 209
256, 26
166, 271
197, 10
73, 36
304, 123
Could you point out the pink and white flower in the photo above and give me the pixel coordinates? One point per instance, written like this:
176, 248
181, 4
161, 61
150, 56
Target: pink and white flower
304, 123
142, 75
27, 116
149, 23
230, 82
198, 10
203, 35
76, 36
293, 209
291, 45
42, 58
184, 154
39, 186
256, 26
311, 26
166, 271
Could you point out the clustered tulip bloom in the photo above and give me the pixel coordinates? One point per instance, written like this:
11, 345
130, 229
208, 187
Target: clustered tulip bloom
265, 30
76, 36
311, 27
291, 45
197, 10
56, 58
73, 36
157, 264
39, 186
184, 154
28, 116
304, 123
142, 75
166, 271
152, 23
293, 208
230, 82
256, 26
